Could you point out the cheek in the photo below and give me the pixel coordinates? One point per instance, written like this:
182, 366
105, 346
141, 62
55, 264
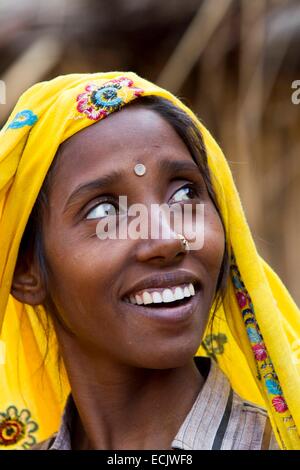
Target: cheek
214, 243
82, 273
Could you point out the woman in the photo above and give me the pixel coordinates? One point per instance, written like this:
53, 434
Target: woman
127, 314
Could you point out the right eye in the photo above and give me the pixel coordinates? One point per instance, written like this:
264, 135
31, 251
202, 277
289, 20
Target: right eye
103, 209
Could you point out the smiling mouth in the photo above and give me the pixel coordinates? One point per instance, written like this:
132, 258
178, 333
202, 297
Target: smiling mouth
167, 297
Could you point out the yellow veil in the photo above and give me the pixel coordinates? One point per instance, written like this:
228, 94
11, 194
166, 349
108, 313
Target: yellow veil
257, 325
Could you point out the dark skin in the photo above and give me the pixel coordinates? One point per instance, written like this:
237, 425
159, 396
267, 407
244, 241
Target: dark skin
132, 377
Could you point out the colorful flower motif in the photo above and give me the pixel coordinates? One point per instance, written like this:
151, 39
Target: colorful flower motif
97, 102
242, 299
273, 387
237, 283
260, 352
279, 404
24, 118
17, 428
253, 335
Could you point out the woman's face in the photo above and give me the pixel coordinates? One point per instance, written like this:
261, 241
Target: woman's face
91, 280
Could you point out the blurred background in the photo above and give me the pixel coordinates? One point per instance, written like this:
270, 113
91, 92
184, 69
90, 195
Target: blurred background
233, 61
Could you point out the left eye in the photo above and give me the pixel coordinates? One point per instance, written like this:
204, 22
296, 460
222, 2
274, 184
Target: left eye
184, 194
102, 209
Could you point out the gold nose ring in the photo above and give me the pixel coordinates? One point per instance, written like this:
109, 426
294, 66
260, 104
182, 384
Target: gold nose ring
184, 242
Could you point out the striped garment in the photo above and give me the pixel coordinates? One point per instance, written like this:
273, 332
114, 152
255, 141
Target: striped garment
219, 420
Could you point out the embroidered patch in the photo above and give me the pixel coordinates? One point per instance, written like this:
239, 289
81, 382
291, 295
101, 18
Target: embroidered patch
99, 101
17, 428
265, 367
24, 118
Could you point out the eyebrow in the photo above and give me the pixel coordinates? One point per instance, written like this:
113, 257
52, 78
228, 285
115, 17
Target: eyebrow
97, 184
174, 166
166, 166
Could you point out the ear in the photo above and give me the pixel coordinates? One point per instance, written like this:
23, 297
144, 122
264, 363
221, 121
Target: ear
28, 285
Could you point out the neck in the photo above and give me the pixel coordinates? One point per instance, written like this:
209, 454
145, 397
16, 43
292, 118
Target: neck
123, 407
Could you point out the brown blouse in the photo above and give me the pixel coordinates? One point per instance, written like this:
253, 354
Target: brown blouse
218, 420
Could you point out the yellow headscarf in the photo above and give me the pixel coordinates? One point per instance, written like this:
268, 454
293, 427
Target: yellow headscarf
256, 325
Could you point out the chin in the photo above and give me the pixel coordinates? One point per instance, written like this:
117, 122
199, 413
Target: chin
168, 357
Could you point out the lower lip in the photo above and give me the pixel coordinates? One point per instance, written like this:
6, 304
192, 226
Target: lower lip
166, 314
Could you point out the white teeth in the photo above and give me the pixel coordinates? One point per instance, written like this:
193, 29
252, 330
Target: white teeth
147, 299
186, 292
168, 296
164, 296
138, 299
191, 289
157, 298
178, 293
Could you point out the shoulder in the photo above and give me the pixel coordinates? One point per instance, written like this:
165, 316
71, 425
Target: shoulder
252, 425
44, 445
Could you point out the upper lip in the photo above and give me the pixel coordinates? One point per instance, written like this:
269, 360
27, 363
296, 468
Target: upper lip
165, 280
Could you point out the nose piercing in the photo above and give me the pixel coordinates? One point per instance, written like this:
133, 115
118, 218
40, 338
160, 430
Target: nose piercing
139, 169
184, 242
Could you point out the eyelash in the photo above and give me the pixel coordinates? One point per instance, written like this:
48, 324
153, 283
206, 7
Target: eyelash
198, 190
109, 199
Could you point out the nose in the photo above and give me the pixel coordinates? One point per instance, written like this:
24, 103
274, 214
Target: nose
163, 245
161, 251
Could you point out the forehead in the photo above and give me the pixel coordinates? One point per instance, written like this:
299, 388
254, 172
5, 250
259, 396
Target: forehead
134, 134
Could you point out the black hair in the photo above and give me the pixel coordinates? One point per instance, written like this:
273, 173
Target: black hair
190, 134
